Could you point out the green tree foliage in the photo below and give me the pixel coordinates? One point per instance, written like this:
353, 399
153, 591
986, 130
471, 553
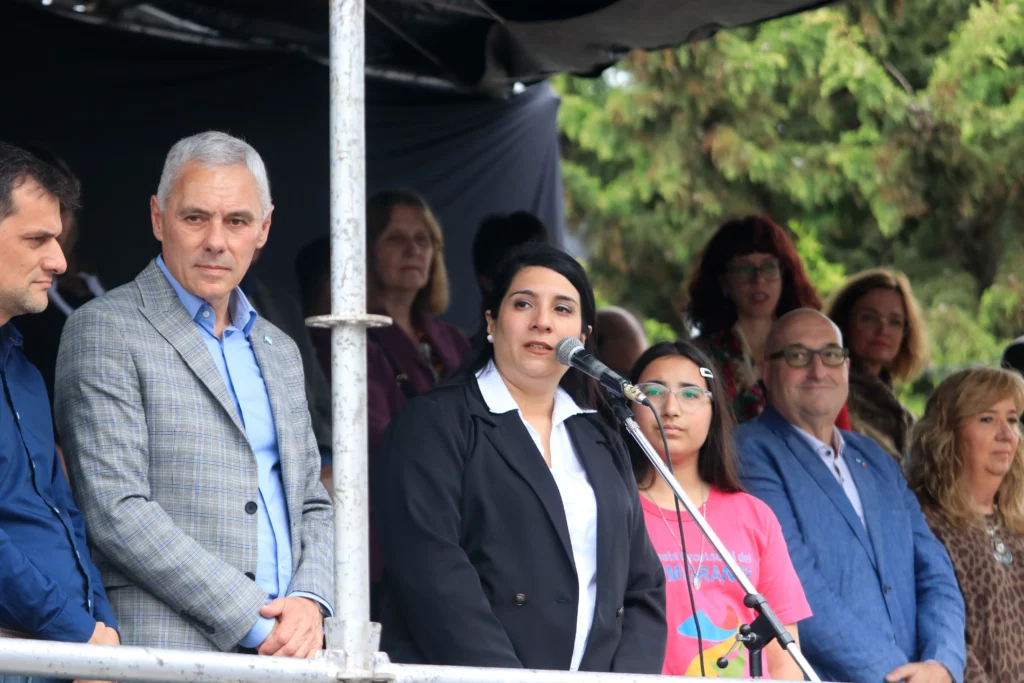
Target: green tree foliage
884, 132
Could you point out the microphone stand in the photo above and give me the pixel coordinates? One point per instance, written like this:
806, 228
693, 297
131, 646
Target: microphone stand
766, 627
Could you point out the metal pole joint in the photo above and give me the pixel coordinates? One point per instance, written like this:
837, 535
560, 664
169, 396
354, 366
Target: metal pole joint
348, 320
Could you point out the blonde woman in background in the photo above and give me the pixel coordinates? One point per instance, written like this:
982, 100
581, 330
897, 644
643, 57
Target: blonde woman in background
965, 467
884, 329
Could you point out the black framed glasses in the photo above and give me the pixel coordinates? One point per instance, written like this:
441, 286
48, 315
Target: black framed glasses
771, 271
690, 398
799, 356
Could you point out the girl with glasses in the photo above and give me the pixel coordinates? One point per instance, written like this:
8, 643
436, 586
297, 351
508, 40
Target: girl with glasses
883, 327
748, 275
680, 381
965, 467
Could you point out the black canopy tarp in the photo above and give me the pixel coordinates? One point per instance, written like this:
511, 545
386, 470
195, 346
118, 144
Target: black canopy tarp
484, 45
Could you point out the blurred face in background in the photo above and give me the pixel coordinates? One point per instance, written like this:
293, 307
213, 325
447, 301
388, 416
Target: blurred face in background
878, 324
620, 340
753, 282
404, 251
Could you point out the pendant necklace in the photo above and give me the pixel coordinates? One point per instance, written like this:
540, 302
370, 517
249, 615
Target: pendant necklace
700, 556
999, 549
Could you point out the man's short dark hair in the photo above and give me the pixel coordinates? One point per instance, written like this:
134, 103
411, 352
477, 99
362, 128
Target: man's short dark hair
18, 166
501, 233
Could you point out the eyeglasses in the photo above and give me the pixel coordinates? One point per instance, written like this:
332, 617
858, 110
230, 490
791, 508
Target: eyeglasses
690, 398
798, 356
872, 319
771, 271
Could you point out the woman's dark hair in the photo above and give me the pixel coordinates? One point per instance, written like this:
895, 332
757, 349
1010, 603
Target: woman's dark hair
584, 390
716, 459
709, 309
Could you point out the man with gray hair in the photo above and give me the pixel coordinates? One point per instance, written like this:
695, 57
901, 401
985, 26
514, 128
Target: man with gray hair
885, 602
187, 433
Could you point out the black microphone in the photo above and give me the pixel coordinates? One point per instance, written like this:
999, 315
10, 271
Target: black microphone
570, 352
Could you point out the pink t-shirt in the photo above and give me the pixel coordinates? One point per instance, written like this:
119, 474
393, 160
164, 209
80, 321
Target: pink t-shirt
749, 530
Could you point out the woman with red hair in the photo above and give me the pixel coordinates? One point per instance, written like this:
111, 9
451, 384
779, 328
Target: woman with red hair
748, 275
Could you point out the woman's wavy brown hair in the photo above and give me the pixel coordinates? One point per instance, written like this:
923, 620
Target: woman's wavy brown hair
913, 353
709, 309
936, 466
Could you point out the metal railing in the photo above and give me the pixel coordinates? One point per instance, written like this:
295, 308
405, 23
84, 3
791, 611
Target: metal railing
104, 662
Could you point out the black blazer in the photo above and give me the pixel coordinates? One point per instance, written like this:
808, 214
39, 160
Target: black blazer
476, 545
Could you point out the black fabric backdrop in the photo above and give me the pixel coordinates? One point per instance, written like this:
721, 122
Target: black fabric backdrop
112, 103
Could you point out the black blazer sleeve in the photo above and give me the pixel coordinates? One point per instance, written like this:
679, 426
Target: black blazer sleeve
417, 494
644, 633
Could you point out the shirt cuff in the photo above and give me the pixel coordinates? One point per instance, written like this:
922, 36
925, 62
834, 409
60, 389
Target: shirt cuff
258, 633
325, 608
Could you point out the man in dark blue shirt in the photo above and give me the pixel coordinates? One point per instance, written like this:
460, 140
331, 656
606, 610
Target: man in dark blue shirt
49, 587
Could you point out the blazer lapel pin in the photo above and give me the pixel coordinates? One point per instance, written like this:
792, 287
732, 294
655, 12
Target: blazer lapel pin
267, 339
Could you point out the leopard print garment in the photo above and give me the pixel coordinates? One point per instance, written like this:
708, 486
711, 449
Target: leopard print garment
994, 597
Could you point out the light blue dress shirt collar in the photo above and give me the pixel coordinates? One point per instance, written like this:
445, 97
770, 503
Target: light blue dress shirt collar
243, 315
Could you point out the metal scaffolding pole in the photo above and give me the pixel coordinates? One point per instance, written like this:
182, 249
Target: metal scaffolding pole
349, 630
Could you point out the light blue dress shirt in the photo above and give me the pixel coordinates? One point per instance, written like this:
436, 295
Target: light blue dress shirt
236, 361
834, 458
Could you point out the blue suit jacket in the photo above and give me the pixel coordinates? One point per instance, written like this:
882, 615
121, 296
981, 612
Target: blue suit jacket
881, 597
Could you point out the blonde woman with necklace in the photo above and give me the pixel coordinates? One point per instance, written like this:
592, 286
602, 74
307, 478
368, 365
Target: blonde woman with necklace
966, 466
680, 381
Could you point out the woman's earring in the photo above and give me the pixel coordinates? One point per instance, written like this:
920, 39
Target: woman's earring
490, 338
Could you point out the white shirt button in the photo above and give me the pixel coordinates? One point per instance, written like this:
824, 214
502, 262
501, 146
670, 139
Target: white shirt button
206, 314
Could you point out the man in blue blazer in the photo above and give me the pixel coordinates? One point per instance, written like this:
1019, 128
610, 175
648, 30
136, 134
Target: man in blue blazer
885, 600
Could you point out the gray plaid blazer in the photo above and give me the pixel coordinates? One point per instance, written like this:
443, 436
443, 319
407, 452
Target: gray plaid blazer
163, 472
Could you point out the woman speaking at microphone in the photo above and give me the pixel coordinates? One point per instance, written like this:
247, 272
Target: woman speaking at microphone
509, 518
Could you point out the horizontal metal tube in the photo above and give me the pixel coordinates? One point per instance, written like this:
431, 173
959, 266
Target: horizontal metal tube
416, 673
101, 662
110, 663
